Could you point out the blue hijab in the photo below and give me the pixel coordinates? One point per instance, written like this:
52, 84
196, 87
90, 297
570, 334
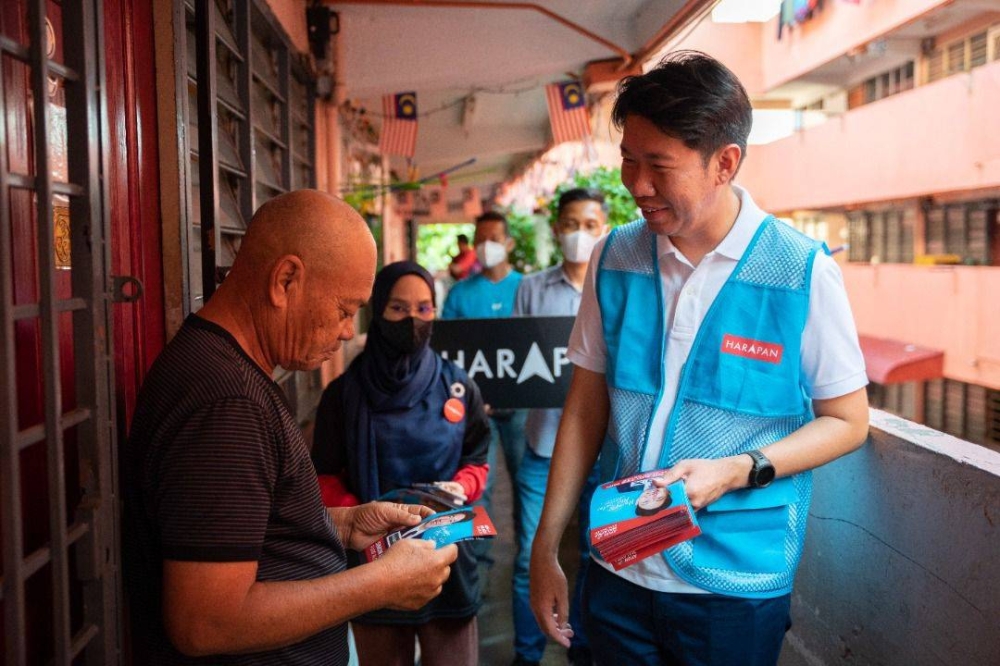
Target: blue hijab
382, 379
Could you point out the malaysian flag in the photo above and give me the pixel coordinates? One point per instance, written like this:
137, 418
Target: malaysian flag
399, 124
567, 111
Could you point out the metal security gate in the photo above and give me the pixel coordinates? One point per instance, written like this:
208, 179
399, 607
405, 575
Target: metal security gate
60, 594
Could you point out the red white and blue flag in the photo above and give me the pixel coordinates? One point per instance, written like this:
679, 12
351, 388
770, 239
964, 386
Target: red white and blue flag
399, 124
567, 111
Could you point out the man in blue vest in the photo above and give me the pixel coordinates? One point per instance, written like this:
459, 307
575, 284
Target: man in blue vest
717, 342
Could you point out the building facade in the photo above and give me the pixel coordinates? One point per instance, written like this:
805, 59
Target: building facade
894, 158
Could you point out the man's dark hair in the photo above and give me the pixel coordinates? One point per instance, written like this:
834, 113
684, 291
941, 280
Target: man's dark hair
692, 97
493, 216
462, 238
581, 194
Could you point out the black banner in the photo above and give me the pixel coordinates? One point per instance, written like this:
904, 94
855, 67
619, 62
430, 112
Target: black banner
517, 362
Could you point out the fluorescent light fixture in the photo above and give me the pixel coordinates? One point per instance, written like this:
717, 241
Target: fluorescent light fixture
745, 11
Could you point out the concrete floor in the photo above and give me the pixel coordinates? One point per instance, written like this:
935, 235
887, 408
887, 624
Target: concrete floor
496, 626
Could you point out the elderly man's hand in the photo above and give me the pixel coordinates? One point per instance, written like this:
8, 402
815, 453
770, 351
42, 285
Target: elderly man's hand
418, 570
360, 526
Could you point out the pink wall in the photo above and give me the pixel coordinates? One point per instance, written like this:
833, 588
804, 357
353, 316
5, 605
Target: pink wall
736, 45
840, 27
953, 308
937, 138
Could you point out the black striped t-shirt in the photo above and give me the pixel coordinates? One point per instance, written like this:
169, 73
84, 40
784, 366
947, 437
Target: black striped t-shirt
216, 470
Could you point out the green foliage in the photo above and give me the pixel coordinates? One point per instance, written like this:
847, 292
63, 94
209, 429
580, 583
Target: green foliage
621, 206
524, 257
360, 200
438, 243
375, 226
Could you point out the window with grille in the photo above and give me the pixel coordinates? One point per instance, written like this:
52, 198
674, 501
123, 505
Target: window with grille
249, 115
935, 66
857, 237
964, 54
968, 411
899, 399
884, 236
993, 419
250, 138
978, 50
956, 58
884, 85
965, 229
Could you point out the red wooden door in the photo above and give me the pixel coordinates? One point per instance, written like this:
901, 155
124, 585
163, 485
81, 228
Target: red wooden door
133, 194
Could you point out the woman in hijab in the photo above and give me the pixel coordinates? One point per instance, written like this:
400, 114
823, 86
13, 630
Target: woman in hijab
402, 415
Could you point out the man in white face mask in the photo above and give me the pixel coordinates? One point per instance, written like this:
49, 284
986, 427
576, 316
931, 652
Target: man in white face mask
580, 222
490, 295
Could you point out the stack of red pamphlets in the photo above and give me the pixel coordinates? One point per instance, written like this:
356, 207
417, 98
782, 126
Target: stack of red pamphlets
631, 519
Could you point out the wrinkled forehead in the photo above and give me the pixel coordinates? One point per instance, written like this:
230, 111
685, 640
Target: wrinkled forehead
349, 282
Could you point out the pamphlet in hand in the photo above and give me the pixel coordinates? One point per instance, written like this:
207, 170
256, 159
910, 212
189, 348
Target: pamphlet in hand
442, 528
631, 519
427, 494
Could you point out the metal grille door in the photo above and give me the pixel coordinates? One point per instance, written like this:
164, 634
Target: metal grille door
57, 500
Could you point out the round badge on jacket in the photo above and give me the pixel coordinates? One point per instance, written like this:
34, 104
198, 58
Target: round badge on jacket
454, 410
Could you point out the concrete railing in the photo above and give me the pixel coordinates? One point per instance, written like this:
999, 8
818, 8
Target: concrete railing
902, 559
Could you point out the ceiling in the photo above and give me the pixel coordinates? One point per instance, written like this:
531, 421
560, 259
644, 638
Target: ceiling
501, 57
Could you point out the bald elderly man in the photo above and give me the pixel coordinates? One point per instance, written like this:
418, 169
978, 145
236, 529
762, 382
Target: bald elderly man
231, 557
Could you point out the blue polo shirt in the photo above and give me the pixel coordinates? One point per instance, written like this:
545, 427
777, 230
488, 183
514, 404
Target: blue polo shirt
478, 298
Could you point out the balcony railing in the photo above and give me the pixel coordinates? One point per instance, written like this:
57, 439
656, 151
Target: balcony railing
901, 563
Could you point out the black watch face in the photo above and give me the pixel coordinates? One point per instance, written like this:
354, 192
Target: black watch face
764, 476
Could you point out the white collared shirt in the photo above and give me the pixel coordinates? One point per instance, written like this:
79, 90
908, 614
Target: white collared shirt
832, 364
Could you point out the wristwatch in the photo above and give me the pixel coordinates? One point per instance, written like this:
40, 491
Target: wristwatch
762, 472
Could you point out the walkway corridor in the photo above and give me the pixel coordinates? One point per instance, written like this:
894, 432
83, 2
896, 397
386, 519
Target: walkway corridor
496, 628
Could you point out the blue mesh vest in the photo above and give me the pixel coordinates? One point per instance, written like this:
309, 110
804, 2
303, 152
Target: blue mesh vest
740, 389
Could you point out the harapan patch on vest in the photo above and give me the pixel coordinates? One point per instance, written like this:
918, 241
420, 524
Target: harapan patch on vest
755, 349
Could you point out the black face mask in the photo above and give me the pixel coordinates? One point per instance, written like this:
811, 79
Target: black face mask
406, 335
